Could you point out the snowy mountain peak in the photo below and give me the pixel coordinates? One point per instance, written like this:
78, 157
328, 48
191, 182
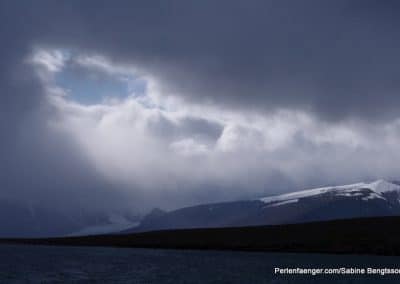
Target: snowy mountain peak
381, 186
377, 198
376, 189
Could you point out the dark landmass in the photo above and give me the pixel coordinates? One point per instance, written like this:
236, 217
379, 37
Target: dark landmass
380, 235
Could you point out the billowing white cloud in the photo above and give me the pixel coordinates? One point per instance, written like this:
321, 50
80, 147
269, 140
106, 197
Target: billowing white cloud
158, 145
52, 60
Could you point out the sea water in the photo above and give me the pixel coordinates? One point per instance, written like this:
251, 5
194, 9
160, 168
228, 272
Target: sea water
61, 264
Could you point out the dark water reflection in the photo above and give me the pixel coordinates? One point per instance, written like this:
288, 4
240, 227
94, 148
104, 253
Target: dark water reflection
45, 264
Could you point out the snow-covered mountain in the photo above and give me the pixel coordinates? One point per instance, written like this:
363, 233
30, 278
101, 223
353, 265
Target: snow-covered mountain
378, 198
380, 189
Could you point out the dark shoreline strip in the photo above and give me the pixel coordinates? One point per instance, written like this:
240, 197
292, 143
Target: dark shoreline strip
379, 236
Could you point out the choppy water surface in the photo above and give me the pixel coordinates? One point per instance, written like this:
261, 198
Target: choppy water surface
45, 264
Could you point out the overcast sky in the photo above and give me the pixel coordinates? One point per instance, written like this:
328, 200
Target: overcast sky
141, 104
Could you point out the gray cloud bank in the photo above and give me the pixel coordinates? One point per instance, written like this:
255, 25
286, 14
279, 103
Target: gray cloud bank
332, 65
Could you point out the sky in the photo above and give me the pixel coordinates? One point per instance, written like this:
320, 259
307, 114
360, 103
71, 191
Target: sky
142, 104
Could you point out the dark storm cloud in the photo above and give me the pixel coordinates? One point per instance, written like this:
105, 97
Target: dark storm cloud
335, 58
200, 129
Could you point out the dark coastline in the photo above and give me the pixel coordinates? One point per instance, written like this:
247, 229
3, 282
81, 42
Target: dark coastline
380, 236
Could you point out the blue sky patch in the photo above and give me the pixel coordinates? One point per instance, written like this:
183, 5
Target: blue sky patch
88, 86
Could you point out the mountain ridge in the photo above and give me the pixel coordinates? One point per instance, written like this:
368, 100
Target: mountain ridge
377, 198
